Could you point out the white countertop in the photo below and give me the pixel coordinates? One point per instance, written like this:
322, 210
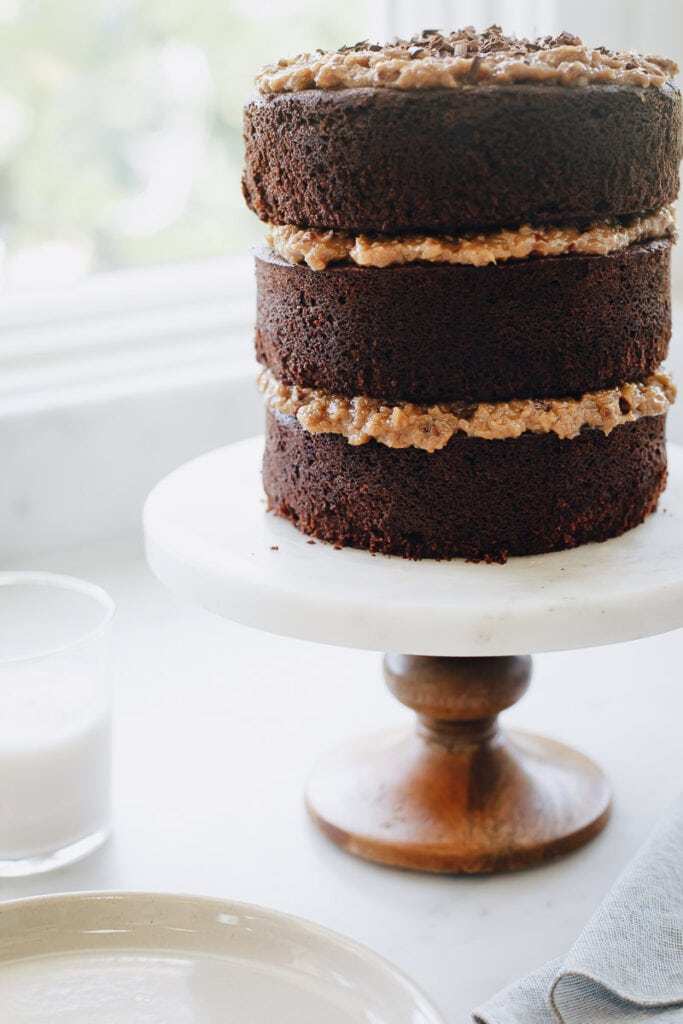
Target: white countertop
217, 726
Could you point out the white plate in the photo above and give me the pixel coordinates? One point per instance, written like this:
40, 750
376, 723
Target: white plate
133, 958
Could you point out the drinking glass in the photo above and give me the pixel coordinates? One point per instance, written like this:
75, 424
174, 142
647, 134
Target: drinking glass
55, 720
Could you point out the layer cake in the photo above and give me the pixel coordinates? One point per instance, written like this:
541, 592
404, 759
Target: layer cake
464, 302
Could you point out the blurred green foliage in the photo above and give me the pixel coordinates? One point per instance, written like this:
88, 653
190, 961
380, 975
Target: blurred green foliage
120, 120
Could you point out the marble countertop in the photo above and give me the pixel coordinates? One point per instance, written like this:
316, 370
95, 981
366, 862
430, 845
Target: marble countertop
217, 726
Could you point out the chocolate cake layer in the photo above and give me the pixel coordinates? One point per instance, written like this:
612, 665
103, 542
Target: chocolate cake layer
474, 498
443, 160
435, 332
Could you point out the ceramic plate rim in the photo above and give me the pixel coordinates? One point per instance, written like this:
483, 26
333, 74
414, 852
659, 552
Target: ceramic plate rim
328, 938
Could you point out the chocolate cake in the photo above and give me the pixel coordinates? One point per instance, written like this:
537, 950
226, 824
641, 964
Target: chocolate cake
465, 299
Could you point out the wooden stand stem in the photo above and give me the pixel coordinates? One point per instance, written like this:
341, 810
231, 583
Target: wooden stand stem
458, 794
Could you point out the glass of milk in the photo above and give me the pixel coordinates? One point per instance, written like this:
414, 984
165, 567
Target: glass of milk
55, 720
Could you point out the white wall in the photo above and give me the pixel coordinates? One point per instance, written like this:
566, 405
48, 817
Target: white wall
78, 474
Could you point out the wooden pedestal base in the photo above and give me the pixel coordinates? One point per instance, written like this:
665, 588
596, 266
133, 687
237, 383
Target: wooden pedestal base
458, 795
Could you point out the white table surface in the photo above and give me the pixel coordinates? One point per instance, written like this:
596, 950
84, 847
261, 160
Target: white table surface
218, 724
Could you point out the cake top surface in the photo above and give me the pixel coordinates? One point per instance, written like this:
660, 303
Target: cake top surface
434, 60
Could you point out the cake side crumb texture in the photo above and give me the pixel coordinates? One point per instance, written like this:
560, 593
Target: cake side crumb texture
434, 161
476, 499
429, 333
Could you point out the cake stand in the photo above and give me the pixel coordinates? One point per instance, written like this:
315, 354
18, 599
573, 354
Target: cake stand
457, 794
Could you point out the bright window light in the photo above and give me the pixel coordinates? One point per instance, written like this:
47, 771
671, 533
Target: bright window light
120, 126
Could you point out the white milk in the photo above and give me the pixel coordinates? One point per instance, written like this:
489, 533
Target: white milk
55, 739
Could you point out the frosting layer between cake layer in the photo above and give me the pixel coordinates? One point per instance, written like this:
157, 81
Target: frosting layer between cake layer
406, 425
318, 249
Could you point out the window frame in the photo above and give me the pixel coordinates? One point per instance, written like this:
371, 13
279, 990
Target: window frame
116, 331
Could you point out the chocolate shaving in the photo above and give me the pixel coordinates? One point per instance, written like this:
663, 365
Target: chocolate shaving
567, 39
469, 42
476, 62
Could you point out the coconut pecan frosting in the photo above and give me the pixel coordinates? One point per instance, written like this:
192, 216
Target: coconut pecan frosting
435, 60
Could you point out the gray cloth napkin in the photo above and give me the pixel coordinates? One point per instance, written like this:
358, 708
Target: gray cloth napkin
627, 964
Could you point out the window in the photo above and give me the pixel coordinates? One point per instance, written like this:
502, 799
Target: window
120, 137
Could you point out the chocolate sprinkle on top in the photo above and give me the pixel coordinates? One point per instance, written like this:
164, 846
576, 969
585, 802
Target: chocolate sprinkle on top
463, 58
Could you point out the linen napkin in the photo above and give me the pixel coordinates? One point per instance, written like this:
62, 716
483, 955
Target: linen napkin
627, 964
